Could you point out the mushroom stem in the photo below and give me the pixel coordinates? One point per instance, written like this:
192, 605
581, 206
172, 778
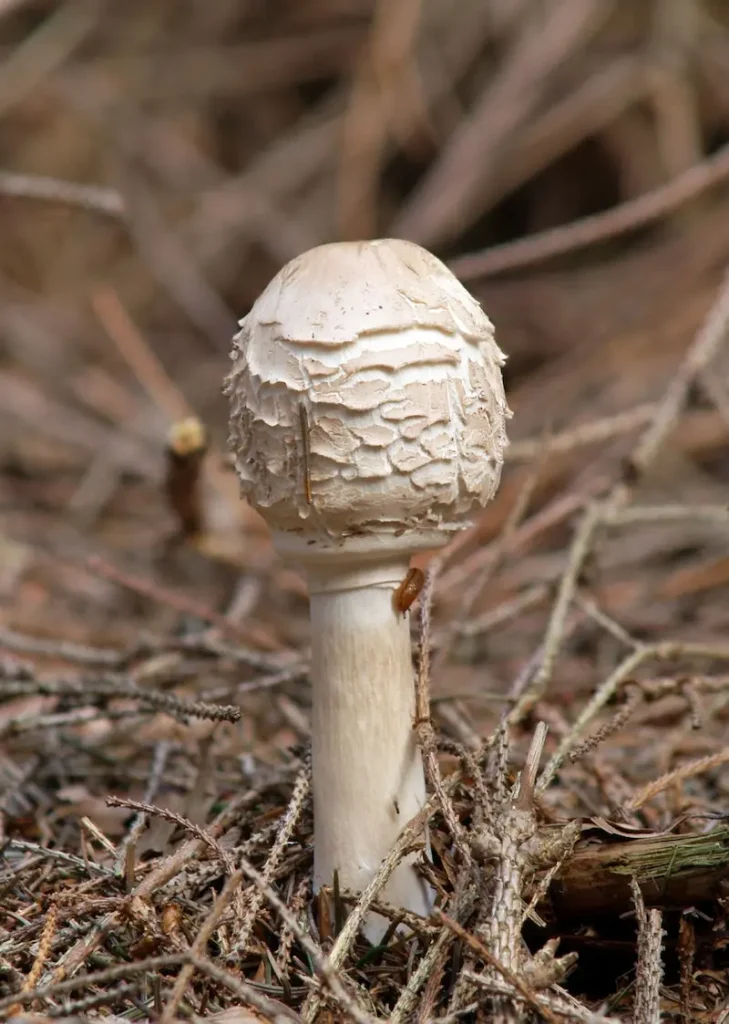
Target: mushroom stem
367, 769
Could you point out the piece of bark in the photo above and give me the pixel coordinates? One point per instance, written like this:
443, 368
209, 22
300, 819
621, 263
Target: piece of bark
672, 871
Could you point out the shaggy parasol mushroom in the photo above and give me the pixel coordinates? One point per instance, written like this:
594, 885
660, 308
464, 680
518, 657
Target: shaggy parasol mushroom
367, 417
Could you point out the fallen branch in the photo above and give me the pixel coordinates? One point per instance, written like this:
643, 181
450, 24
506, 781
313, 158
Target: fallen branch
671, 871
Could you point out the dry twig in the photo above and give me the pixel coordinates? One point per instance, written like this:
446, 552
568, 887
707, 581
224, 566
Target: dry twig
649, 970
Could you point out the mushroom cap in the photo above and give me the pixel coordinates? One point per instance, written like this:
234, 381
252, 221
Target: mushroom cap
366, 395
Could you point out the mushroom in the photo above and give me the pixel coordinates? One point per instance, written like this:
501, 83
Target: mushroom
367, 417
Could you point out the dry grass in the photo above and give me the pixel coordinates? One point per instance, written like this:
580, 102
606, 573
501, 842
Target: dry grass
159, 163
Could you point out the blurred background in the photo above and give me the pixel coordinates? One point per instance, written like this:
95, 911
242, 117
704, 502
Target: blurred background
161, 159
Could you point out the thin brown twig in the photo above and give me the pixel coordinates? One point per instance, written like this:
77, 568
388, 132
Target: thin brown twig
434, 977
591, 609
93, 198
686, 958
485, 954
286, 826
705, 346
561, 1002
424, 725
649, 970
137, 354
678, 775
175, 862
568, 840
637, 514
205, 932
582, 435
108, 995
44, 948
428, 972
633, 214
607, 689
598, 700
523, 799
59, 855
545, 519
113, 687
558, 618
408, 918
178, 819
64, 650
475, 587
693, 698
161, 595
273, 1011
286, 941
136, 828
116, 973
323, 965
504, 612
633, 697
24, 723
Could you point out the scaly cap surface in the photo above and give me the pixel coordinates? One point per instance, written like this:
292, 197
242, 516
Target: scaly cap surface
368, 368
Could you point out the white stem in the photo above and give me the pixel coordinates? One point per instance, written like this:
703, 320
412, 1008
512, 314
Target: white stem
367, 769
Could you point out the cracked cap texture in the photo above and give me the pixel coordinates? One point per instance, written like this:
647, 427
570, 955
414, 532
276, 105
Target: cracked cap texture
369, 368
